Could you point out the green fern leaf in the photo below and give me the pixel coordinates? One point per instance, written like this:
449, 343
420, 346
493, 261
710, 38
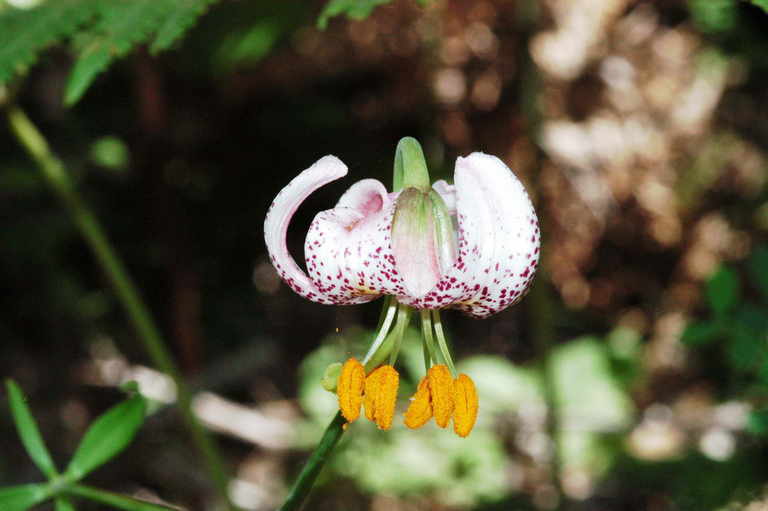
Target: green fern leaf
355, 9
122, 25
179, 21
24, 33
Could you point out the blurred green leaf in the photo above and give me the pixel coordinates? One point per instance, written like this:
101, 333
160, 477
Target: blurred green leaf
248, 44
64, 504
702, 332
502, 385
354, 9
748, 338
24, 33
21, 498
28, 431
723, 290
714, 15
590, 402
107, 436
121, 25
598, 400
763, 4
758, 422
179, 21
110, 152
758, 267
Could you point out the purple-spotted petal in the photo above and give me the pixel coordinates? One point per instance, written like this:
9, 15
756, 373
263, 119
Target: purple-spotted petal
348, 248
514, 253
498, 240
325, 170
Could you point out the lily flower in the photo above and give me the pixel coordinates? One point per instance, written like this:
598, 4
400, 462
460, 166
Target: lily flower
353, 254
472, 245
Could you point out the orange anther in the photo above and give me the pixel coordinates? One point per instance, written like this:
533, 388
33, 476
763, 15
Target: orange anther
350, 389
420, 410
441, 391
465, 405
381, 395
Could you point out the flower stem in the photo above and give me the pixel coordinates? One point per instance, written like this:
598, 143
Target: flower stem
403, 318
442, 342
309, 473
429, 340
387, 314
61, 183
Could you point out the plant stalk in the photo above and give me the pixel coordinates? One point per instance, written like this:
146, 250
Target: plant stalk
63, 186
303, 484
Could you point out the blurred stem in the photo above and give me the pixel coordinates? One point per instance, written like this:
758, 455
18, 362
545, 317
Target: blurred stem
541, 303
113, 499
305, 480
61, 183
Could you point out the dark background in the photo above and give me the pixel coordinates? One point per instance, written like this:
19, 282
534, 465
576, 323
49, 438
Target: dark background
639, 128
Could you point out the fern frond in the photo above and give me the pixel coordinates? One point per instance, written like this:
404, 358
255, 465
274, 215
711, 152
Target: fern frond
179, 21
354, 9
24, 33
122, 25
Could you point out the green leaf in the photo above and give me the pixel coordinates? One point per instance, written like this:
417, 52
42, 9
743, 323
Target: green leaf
763, 4
107, 436
758, 422
179, 21
28, 431
20, 498
122, 25
64, 504
723, 290
714, 15
113, 499
758, 265
24, 33
704, 332
748, 344
354, 9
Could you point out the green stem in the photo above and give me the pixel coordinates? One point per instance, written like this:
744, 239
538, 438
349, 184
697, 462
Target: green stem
59, 180
403, 318
309, 473
113, 499
429, 340
385, 321
442, 342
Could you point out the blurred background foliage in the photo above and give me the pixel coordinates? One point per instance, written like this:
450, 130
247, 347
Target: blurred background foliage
635, 375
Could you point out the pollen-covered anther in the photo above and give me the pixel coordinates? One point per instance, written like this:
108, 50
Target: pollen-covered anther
465, 405
441, 391
350, 389
381, 395
420, 410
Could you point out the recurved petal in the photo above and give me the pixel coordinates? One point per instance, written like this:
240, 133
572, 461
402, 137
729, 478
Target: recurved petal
511, 249
348, 248
498, 238
325, 170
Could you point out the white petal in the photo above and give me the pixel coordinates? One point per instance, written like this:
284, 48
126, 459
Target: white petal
348, 248
325, 170
511, 253
498, 238
448, 193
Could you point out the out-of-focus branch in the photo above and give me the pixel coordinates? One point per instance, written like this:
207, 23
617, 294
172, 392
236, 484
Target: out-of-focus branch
62, 185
